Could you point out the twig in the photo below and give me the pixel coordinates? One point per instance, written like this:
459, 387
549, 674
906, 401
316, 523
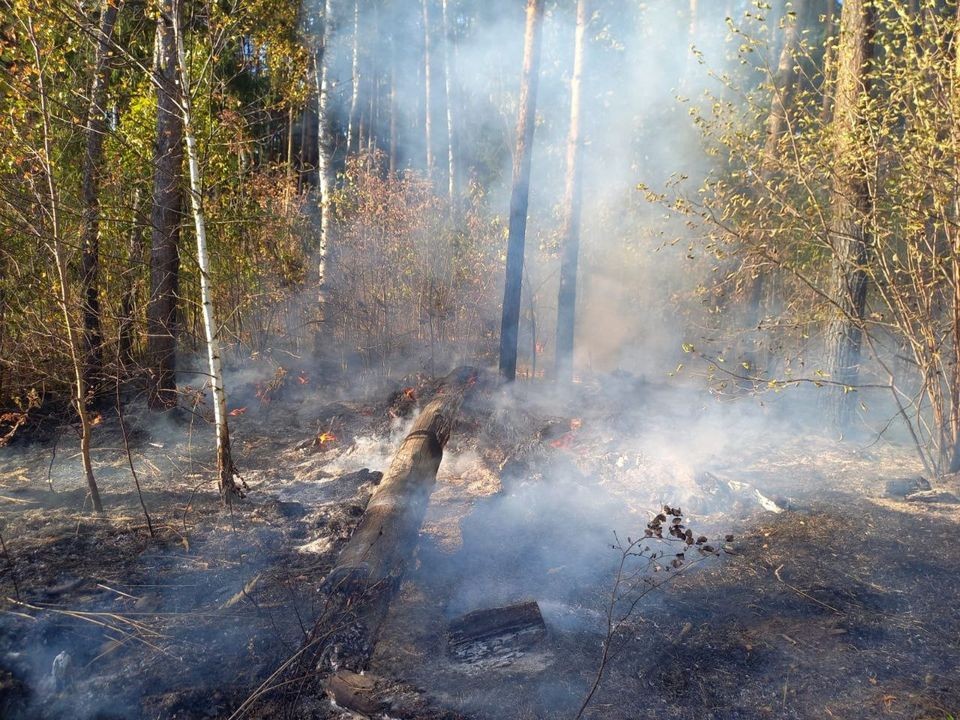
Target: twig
802, 593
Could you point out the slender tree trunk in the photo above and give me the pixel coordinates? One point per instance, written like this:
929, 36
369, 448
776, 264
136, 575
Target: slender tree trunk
570, 237
353, 131
63, 278
850, 206
784, 81
290, 169
427, 82
90, 192
453, 189
520, 191
393, 106
954, 465
325, 169
225, 468
165, 221
128, 304
829, 19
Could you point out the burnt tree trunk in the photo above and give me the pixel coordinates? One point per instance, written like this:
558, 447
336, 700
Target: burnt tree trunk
520, 192
372, 564
165, 220
570, 237
90, 191
850, 206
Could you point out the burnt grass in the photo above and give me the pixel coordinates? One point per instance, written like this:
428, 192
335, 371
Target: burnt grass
843, 606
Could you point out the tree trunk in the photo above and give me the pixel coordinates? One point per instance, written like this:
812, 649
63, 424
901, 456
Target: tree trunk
452, 180
427, 103
829, 18
128, 304
90, 193
850, 206
520, 191
570, 236
353, 122
325, 169
165, 222
371, 565
393, 107
63, 278
784, 81
225, 468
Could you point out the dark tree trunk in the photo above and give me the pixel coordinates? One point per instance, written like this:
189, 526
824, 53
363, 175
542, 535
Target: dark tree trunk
850, 207
90, 193
520, 192
165, 221
570, 237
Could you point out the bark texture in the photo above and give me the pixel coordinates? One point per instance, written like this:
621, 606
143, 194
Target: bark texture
162, 310
850, 207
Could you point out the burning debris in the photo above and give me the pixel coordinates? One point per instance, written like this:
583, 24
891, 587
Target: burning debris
496, 635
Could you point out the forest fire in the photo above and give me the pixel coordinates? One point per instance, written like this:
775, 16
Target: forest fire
459, 360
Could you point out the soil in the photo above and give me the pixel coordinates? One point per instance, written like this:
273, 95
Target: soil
838, 603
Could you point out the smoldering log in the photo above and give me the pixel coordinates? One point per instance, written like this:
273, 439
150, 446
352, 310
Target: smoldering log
371, 565
481, 625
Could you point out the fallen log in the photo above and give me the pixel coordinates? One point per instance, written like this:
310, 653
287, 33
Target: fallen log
372, 563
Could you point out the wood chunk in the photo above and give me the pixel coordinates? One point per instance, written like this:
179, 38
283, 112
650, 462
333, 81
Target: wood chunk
481, 625
901, 487
933, 496
354, 692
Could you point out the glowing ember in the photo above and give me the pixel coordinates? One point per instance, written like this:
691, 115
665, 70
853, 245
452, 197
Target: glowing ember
303, 379
238, 411
409, 393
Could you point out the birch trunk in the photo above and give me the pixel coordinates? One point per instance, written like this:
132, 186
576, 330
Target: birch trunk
452, 180
570, 237
225, 468
353, 143
520, 191
427, 103
325, 169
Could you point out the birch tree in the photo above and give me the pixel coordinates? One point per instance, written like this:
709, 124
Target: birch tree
226, 472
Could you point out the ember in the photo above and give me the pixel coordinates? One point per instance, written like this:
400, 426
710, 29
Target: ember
237, 411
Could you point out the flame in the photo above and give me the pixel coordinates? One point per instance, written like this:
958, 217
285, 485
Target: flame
303, 379
409, 393
237, 411
96, 419
327, 437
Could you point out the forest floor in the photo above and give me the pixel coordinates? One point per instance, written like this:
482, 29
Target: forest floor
834, 599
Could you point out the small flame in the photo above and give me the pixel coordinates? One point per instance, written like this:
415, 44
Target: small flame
96, 419
409, 393
303, 379
237, 411
327, 437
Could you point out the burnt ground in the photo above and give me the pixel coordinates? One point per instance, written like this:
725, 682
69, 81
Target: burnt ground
841, 605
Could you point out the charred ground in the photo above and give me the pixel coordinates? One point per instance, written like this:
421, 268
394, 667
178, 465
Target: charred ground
840, 605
